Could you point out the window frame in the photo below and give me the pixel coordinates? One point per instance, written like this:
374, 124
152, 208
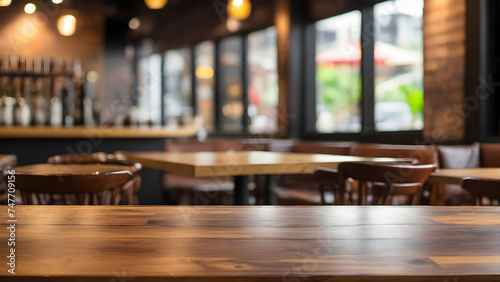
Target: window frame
218, 131
368, 131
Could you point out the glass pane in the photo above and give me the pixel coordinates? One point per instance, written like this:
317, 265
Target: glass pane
231, 84
178, 84
155, 89
204, 53
263, 81
143, 91
399, 91
338, 79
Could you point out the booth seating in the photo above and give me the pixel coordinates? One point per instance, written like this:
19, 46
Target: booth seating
206, 190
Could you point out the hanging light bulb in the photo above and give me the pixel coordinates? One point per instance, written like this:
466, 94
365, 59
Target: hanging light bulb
66, 25
57, 1
30, 8
239, 9
155, 4
5, 3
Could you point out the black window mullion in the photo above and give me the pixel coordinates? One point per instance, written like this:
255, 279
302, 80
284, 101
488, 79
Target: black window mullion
309, 96
367, 71
163, 90
245, 81
192, 70
217, 89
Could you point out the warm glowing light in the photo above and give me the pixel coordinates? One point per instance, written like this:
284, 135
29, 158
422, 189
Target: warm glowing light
155, 4
92, 76
57, 1
204, 72
5, 3
239, 9
134, 23
232, 24
66, 25
30, 8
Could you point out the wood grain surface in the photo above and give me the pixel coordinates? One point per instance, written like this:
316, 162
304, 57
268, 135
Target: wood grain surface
96, 132
6, 160
212, 164
455, 176
106, 243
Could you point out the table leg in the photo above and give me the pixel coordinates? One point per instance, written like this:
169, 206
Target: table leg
241, 193
269, 190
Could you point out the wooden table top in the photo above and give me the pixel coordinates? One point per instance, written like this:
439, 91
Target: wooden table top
209, 164
7, 160
68, 169
455, 176
351, 243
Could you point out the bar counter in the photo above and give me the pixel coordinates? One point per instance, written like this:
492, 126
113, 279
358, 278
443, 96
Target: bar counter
95, 132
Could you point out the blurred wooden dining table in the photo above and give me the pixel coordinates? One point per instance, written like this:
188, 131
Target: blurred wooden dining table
6, 160
265, 243
243, 164
443, 177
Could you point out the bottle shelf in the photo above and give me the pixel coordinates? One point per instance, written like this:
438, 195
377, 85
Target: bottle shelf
43, 132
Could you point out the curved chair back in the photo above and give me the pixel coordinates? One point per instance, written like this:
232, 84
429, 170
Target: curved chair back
103, 158
73, 184
483, 190
388, 179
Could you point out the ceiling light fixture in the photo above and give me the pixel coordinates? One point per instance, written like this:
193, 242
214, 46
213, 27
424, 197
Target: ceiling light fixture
5, 3
239, 9
30, 8
66, 25
155, 4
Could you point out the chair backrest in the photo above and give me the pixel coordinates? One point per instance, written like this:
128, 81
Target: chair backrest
481, 188
386, 173
424, 154
197, 146
393, 179
73, 184
331, 148
97, 158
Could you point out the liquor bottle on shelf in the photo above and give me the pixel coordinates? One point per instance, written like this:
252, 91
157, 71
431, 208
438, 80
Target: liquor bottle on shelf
68, 101
56, 111
3, 94
47, 94
8, 104
19, 101
79, 81
25, 102
38, 104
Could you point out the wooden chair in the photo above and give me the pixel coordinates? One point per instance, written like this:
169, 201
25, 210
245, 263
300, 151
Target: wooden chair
483, 191
85, 184
103, 158
386, 181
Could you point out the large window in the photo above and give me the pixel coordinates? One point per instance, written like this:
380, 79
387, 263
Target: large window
399, 88
230, 76
204, 72
338, 78
363, 57
177, 81
263, 81
149, 90
235, 83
